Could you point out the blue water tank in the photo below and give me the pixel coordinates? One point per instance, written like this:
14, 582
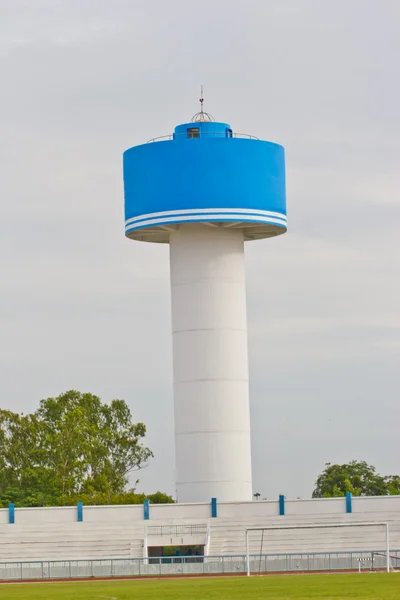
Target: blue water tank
204, 172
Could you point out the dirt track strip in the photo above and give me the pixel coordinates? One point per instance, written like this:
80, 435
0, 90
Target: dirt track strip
188, 576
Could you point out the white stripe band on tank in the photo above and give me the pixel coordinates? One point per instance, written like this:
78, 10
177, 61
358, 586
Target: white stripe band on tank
220, 217
208, 212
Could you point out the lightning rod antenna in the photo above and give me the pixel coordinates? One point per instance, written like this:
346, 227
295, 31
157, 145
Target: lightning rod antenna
201, 100
202, 117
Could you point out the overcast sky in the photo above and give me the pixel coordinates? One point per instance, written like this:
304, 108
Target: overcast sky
82, 307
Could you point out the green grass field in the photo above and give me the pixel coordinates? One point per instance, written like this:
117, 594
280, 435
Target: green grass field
372, 586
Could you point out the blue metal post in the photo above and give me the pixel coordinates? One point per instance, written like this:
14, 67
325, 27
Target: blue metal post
80, 511
146, 508
281, 505
11, 514
213, 507
349, 502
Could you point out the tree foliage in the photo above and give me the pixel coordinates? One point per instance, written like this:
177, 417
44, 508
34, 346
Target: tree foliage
73, 447
359, 478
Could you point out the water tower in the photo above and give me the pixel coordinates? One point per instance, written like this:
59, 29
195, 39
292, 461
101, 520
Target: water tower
205, 190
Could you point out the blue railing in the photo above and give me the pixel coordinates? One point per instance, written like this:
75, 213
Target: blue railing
199, 134
176, 530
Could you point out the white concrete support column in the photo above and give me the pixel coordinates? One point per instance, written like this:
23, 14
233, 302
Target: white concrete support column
211, 388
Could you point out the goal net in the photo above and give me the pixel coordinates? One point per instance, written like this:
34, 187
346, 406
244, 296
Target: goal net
321, 550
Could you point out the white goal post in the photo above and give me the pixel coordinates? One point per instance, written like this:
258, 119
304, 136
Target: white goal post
319, 526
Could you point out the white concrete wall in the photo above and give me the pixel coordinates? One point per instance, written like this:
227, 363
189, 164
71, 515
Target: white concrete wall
176, 512
119, 531
368, 504
62, 514
200, 512
129, 513
320, 506
245, 510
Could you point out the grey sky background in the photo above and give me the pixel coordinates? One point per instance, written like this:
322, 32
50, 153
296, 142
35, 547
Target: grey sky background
82, 307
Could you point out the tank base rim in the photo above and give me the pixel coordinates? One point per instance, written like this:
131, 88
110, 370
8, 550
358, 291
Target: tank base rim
252, 230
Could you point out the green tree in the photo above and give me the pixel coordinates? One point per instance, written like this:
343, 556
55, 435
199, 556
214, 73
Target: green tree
23, 476
393, 484
126, 497
73, 447
91, 446
160, 498
359, 478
